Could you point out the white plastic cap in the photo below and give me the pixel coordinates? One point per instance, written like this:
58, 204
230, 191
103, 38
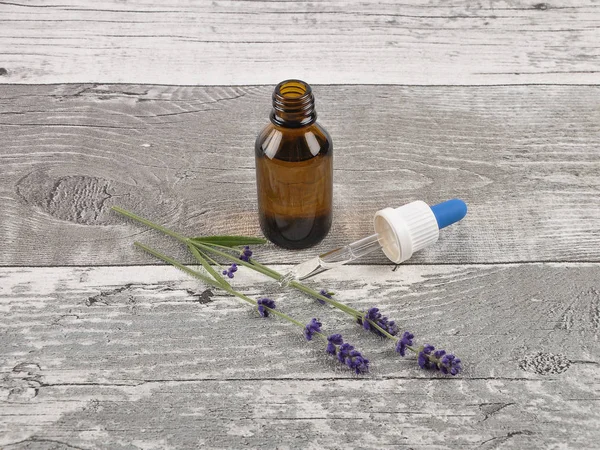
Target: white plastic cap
405, 230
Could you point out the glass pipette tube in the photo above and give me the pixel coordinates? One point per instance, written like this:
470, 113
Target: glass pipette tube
334, 258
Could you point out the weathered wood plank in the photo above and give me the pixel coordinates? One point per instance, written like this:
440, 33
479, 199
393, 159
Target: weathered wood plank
525, 158
139, 357
263, 42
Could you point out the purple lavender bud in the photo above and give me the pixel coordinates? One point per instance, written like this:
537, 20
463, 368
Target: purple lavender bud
439, 360
401, 348
314, 326
336, 339
261, 306
358, 363
355, 363
324, 293
376, 317
428, 349
245, 254
450, 363
331, 349
439, 353
346, 354
353, 359
230, 270
406, 340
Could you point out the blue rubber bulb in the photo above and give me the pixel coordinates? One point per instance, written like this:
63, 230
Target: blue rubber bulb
449, 212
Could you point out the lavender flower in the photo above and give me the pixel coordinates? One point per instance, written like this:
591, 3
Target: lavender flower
439, 360
246, 253
265, 302
353, 359
450, 364
346, 354
374, 315
407, 339
324, 293
230, 270
332, 341
314, 326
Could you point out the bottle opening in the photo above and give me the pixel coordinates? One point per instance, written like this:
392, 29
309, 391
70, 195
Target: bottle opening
293, 104
292, 89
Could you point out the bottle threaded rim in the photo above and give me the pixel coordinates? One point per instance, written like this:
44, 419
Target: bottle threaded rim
293, 104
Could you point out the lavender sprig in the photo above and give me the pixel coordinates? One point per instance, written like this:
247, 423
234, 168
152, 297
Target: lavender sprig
371, 320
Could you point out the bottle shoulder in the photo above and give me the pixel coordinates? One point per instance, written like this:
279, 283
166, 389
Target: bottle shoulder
293, 144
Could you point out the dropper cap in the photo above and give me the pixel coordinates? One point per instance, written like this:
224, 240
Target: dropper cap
412, 227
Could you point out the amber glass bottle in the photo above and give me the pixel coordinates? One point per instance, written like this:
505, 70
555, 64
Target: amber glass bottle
294, 170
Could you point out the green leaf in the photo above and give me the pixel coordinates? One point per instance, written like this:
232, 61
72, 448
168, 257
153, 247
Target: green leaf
229, 241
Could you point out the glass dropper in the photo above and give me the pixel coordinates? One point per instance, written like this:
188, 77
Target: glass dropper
399, 233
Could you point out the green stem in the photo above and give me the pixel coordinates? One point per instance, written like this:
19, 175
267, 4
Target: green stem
149, 223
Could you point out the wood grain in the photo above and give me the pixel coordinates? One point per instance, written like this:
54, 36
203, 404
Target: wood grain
263, 42
526, 159
144, 357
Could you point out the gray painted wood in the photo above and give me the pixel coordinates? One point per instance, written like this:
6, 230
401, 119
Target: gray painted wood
525, 158
263, 42
144, 357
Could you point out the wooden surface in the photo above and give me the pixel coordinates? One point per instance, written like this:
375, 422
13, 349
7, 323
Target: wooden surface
263, 42
102, 347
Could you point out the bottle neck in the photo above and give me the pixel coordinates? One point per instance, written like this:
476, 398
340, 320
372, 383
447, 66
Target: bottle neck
293, 104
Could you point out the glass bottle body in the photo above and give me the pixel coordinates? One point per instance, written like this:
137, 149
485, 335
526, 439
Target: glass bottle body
294, 175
